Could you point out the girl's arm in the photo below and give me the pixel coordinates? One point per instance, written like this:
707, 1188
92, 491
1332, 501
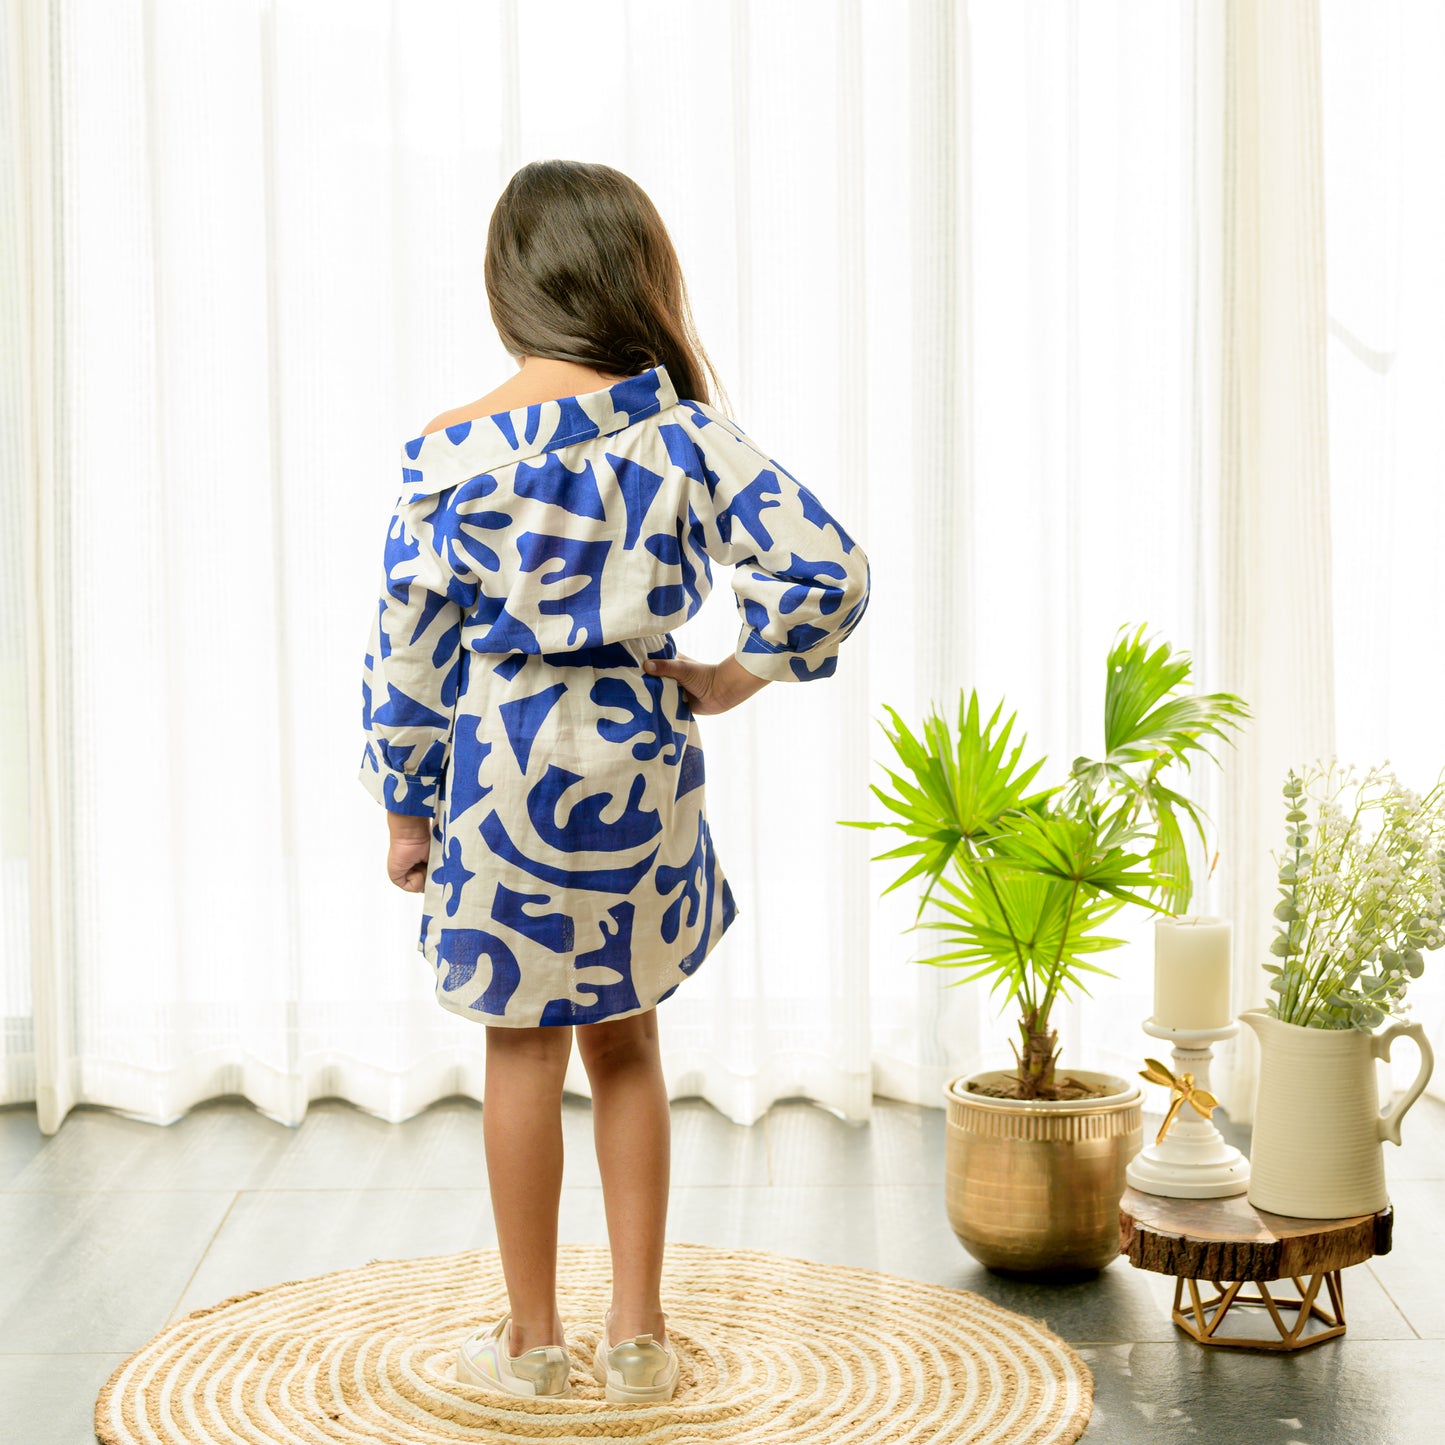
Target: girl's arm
802, 583
411, 667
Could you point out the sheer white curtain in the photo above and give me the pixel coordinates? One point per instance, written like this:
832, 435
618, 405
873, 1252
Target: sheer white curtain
964, 271
1384, 114
1272, 605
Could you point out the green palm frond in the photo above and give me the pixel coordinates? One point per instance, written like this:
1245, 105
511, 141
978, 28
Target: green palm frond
1167, 797
983, 918
1070, 850
1169, 858
958, 790
1142, 723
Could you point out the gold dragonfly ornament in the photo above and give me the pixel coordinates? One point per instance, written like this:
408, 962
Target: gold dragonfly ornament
1184, 1091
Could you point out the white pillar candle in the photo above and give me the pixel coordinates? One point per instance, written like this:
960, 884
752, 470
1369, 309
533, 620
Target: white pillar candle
1192, 973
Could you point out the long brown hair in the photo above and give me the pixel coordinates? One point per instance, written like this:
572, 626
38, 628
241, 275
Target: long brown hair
580, 267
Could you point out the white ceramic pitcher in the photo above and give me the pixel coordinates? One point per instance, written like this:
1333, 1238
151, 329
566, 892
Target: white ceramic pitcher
1317, 1123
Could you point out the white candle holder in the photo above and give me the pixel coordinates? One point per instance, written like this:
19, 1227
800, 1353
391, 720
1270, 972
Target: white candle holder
1193, 1162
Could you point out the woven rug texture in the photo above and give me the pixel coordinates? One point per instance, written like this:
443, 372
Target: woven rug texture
773, 1350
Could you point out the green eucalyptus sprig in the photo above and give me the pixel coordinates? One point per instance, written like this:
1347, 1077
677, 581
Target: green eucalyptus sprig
1356, 905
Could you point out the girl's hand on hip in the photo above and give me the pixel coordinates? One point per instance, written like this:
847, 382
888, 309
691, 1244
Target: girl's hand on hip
406, 858
708, 687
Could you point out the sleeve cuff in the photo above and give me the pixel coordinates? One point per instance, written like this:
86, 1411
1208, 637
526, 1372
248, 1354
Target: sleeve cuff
397, 792
781, 664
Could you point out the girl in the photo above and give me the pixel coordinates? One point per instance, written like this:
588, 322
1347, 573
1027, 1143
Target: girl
530, 724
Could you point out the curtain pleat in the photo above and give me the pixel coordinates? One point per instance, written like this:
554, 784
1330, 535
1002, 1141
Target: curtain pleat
43, 783
1274, 588
848, 861
936, 1027
1384, 112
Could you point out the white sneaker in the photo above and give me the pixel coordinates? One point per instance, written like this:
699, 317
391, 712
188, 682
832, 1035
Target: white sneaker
483, 1360
637, 1370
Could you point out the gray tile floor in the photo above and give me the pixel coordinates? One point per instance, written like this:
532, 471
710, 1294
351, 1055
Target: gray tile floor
113, 1228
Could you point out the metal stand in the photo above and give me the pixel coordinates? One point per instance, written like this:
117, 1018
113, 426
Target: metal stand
1193, 1162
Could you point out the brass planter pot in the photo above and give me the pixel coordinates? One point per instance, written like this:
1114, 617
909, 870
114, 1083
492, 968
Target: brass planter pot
1033, 1186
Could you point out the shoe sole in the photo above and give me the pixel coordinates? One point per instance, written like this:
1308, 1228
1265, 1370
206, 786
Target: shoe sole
634, 1394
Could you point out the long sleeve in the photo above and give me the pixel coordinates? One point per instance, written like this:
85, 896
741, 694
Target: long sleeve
801, 582
412, 661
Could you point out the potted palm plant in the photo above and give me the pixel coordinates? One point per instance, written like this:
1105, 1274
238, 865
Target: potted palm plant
1021, 883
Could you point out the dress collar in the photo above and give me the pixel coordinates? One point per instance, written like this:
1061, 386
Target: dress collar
436, 460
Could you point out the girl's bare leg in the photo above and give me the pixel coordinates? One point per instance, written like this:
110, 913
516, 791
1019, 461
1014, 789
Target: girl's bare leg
632, 1130
522, 1129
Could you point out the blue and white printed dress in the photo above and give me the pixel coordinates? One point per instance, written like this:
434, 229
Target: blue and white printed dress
534, 559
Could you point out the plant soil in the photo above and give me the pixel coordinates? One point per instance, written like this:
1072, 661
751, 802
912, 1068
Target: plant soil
1065, 1088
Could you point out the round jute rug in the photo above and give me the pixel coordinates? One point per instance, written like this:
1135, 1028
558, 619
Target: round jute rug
772, 1350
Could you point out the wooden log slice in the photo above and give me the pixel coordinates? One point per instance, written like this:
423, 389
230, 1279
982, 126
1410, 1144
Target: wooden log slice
1229, 1239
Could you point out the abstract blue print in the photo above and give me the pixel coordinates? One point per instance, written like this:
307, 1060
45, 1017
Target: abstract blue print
534, 560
